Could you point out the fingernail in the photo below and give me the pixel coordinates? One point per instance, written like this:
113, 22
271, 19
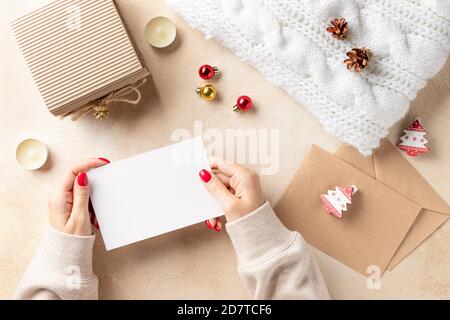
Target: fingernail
208, 224
204, 175
104, 160
82, 179
97, 226
217, 228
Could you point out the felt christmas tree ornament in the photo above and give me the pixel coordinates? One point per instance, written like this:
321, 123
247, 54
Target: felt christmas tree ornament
335, 201
413, 141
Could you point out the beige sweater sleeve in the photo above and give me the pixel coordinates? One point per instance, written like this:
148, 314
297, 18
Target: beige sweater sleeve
274, 262
61, 269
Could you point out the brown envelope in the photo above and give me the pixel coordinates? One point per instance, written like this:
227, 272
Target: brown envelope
369, 234
388, 166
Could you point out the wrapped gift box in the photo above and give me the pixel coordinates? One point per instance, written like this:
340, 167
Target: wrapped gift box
77, 51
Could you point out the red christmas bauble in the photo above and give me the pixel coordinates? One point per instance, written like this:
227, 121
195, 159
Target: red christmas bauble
206, 72
243, 103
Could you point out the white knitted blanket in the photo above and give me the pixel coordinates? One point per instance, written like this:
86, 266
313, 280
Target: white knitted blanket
287, 41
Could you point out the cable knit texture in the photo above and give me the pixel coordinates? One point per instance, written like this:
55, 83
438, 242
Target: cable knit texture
287, 41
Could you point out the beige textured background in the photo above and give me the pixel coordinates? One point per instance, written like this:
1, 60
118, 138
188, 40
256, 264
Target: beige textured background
193, 262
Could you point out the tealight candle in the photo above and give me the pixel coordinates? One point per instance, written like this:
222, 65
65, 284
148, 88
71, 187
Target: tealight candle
31, 154
160, 32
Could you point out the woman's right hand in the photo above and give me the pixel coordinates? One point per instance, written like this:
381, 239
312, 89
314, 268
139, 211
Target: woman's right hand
236, 188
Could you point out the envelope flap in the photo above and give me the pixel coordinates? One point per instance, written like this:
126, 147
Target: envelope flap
352, 156
394, 170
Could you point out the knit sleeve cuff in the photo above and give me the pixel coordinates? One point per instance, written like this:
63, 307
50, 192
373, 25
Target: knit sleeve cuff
68, 253
258, 235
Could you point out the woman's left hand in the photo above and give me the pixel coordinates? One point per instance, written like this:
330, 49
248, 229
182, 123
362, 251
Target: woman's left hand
69, 203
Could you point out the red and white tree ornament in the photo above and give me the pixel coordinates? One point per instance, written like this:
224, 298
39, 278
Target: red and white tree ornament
413, 141
335, 201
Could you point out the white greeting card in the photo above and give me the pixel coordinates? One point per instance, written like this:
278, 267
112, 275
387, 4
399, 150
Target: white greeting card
151, 193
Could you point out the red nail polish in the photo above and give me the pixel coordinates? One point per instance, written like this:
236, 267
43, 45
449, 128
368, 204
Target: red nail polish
97, 226
104, 160
217, 228
204, 175
82, 179
208, 224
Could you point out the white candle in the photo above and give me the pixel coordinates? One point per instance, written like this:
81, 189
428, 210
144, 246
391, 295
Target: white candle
31, 154
160, 32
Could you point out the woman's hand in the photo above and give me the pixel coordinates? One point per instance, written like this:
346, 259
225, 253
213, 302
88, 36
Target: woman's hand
68, 205
236, 188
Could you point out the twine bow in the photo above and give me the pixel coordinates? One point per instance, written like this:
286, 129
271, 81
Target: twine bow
100, 106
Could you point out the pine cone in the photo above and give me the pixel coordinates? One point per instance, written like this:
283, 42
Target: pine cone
358, 58
339, 28
101, 111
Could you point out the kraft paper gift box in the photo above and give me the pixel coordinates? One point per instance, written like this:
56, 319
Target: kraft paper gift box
77, 51
396, 209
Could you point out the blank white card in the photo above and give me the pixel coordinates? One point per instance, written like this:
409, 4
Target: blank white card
151, 193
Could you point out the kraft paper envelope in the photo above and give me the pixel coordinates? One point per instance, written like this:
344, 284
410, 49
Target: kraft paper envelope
388, 166
369, 233
151, 193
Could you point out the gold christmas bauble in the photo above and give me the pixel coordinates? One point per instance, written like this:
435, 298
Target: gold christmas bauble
207, 92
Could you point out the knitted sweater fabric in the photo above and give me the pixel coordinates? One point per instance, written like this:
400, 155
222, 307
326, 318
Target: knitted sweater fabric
287, 41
